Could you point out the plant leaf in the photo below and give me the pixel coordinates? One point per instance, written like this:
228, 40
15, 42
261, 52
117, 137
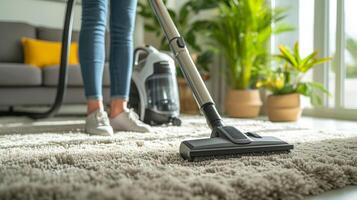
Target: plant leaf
287, 55
296, 52
304, 62
282, 28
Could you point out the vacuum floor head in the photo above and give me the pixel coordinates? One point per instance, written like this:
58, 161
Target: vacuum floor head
219, 145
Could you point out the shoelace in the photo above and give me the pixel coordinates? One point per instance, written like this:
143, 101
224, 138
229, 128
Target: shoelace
102, 119
134, 116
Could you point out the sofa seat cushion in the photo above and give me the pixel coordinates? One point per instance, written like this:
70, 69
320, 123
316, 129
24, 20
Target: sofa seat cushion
17, 74
50, 76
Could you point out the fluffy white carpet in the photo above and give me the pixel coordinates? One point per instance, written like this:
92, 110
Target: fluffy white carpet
54, 159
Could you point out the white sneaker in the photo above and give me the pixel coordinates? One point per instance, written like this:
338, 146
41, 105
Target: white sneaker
97, 123
129, 121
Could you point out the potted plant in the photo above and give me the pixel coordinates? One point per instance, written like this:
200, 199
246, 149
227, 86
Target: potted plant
241, 33
287, 85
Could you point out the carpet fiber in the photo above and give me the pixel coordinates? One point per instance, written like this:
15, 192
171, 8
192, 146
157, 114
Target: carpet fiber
54, 159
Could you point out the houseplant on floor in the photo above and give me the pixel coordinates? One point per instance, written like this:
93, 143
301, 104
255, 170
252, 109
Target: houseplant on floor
240, 33
286, 84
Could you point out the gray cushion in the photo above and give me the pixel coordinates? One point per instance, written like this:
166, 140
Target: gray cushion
16, 74
50, 76
10, 40
52, 34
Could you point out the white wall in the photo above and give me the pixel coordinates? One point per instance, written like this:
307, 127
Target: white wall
48, 14
37, 12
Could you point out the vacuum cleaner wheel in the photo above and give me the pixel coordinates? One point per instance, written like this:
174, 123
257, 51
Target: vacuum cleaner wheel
176, 121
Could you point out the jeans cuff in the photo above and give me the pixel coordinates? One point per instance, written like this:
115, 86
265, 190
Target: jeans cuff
122, 97
95, 97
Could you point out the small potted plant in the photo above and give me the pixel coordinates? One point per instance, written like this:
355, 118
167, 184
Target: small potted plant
286, 84
241, 33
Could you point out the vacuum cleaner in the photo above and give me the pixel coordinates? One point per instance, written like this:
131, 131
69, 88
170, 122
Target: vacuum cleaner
154, 92
224, 140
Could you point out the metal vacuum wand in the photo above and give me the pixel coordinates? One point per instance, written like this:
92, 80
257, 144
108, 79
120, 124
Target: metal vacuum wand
192, 76
181, 53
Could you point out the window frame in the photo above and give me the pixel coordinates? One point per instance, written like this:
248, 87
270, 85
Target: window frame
320, 74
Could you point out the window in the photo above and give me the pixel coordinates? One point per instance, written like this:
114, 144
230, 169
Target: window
332, 52
350, 54
336, 35
306, 26
306, 36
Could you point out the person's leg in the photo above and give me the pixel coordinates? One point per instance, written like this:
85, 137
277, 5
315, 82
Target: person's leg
122, 23
91, 56
92, 50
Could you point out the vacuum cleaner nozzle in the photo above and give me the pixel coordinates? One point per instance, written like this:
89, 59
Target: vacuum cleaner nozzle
224, 139
228, 140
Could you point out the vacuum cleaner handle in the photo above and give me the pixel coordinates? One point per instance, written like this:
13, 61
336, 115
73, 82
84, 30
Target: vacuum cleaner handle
137, 53
191, 74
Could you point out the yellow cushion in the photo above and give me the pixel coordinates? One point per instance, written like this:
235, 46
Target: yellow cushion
42, 53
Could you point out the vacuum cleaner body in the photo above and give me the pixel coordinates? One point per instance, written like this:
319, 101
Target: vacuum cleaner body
154, 91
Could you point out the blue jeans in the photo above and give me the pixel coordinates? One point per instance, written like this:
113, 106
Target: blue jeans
92, 46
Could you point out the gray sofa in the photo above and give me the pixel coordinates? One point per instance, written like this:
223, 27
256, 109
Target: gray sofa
25, 85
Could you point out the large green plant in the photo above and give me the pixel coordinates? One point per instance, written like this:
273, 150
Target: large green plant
183, 19
241, 32
288, 78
